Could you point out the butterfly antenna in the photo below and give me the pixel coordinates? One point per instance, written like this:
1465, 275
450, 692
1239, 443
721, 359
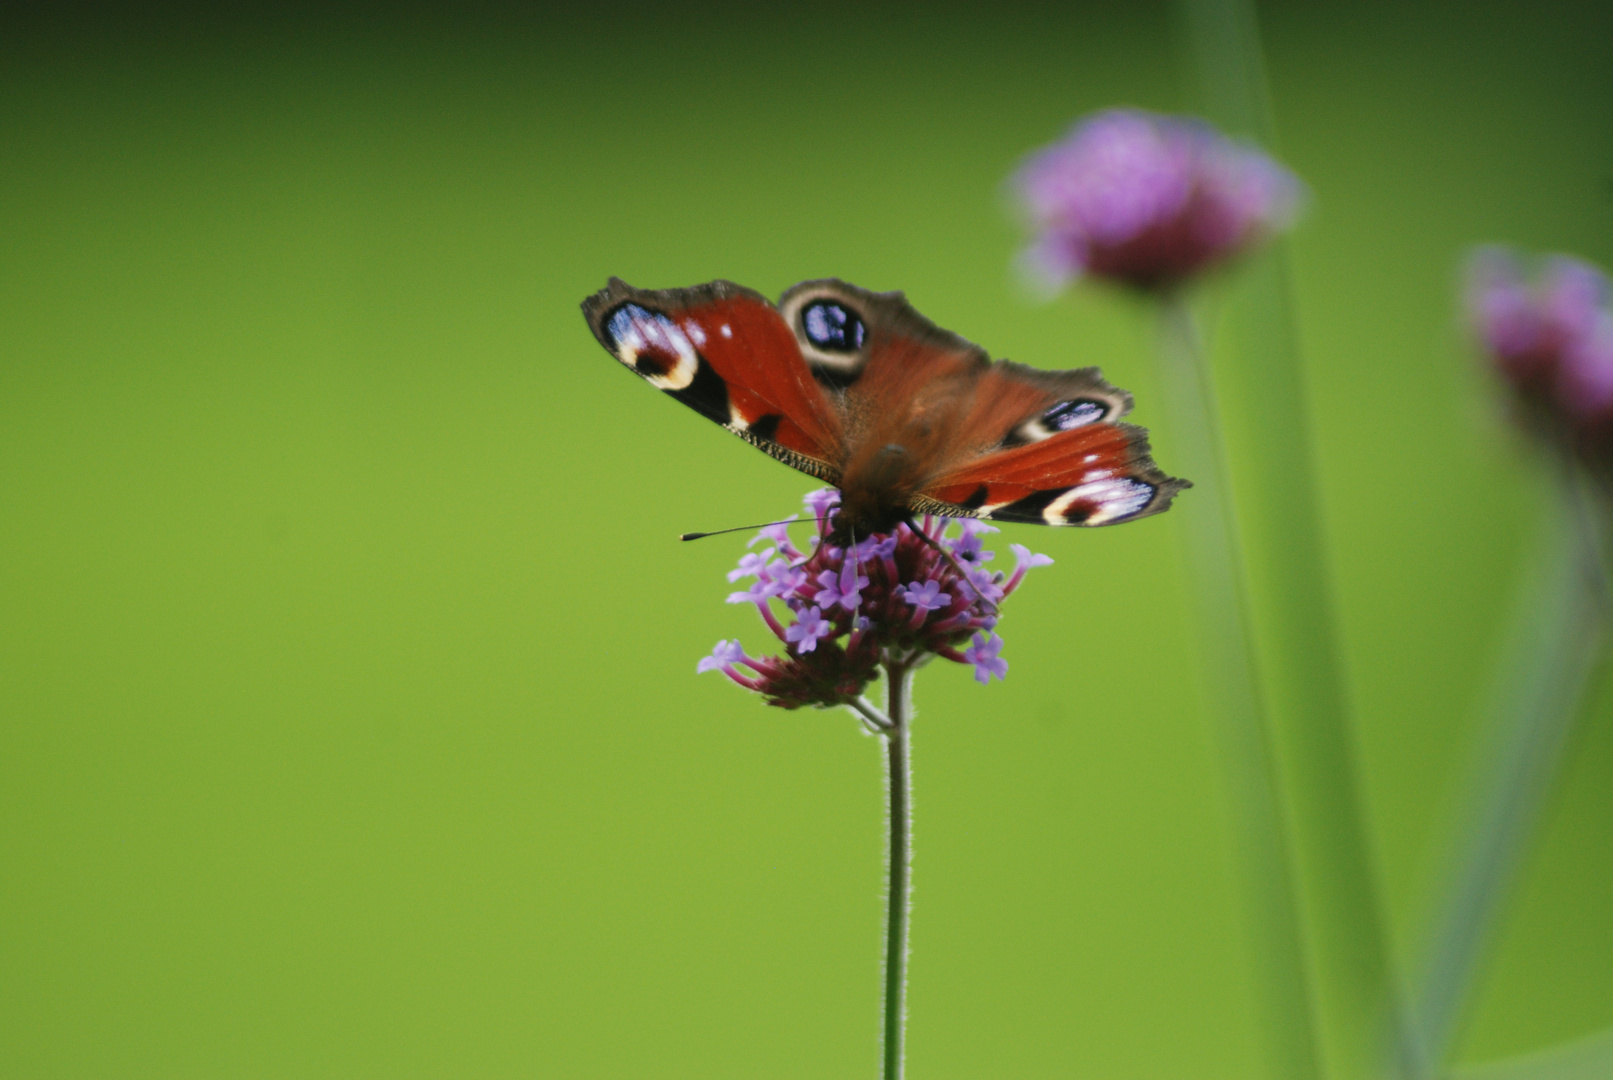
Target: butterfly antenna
953, 559
736, 528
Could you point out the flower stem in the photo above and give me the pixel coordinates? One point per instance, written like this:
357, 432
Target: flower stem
1357, 992
1556, 641
1580, 1059
1259, 824
874, 720
898, 793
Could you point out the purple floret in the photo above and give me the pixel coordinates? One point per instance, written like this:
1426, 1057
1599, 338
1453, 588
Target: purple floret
926, 596
751, 564
842, 589
983, 655
821, 501
809, 626
725, 654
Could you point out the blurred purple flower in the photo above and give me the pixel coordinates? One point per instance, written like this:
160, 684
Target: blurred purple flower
894, 597
1549, 336
1148, 200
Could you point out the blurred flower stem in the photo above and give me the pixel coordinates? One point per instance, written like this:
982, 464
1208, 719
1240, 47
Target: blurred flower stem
1590, 1058
1268, 430
1557, 637
898, 794
1260, 832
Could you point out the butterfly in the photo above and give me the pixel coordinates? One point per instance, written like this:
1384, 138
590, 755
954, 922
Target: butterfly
859, 390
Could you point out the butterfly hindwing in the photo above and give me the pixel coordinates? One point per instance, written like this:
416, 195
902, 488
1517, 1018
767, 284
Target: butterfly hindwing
1098, 473
726, 352
1066, 459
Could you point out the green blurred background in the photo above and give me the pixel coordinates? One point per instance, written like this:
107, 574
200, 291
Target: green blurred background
348, 717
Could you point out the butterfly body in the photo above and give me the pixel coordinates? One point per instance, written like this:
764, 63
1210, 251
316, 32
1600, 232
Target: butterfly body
859, 390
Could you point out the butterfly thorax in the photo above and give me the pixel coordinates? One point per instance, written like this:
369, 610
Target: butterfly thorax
874, 492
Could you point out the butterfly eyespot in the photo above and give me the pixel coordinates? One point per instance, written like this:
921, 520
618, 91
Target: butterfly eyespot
652, 345
1072, 414
833, 327
1100, 502
1062, 416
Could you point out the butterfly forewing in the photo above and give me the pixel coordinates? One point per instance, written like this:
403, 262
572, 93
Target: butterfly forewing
726, 352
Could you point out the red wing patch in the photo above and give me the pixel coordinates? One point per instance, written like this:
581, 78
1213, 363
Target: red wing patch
1094, 474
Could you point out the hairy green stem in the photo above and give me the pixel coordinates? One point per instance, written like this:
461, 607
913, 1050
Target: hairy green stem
1259, 826
898, 791
873, 720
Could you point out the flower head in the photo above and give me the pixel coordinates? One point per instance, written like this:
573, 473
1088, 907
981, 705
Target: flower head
1549, 336
1148, 200
891, 598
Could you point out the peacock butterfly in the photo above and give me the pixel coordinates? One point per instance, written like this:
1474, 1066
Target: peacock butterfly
858, 389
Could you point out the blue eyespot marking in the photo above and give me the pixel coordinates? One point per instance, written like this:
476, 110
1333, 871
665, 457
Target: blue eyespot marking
833, 327
1072, 414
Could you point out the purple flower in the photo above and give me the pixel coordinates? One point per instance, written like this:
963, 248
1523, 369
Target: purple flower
821, 501
726, 654
809, 626
844, 588
969, 547
983, 655
988, 585
777, 533
1148, 200
876, 547
785, 577
760, 592
1028, 559
1586, 384
893, 598
926, 596
1550, 338
751, 564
